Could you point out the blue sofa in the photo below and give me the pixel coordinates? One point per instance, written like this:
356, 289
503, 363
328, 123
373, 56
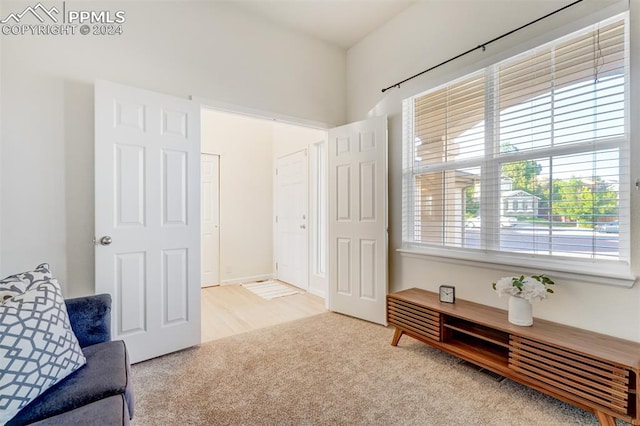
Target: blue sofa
99, 393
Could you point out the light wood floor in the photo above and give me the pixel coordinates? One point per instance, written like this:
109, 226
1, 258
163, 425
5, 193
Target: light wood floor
232, 309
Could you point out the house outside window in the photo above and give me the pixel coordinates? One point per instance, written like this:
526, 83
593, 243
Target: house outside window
527, 158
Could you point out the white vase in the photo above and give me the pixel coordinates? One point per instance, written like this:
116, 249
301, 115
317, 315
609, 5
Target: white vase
520, 311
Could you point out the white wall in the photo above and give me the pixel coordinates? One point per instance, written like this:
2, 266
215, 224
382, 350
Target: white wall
286, 140
245, 147
205, 49
289, 138
429, 33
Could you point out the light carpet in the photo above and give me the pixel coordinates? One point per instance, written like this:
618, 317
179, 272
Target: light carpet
331, 369
270, 289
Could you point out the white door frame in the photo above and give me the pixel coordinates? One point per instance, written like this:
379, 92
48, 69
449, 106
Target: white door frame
318, 224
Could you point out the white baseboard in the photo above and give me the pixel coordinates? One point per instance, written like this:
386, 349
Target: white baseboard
242, 280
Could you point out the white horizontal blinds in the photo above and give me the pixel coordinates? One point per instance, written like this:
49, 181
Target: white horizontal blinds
449, 122
589, 86
524, 105
448, 128
565, 100
568, 92
555, 171
410, 227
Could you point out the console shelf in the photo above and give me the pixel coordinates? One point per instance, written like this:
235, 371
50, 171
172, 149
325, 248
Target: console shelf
483, 333
592, 371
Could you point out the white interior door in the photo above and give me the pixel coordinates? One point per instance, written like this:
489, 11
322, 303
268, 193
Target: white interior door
292, 219
147, 218
358, 219
210, 205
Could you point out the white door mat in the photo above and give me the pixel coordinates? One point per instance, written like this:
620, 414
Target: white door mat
270, 289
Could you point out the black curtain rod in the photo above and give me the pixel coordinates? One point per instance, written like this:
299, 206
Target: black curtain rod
482, 46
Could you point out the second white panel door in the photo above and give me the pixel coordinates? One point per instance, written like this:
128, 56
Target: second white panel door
292, 219
210, 202
358, 219
147, 217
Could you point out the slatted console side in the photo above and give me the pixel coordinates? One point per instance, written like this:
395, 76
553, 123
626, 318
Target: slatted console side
413, 318
598, 381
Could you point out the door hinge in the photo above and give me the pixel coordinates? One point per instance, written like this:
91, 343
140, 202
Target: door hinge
276, 219
276, 266
276, 172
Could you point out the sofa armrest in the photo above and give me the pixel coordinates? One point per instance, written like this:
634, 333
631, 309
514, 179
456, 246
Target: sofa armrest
90, 318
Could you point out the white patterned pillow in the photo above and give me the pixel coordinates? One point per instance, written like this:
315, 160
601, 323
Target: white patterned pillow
37, 345
11, 286
19, 283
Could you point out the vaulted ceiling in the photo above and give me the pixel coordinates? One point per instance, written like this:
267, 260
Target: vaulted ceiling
340, 22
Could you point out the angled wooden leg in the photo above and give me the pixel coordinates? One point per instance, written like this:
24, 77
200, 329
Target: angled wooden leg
605, 419
396, 337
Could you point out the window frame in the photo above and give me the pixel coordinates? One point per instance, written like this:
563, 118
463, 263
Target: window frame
602, 271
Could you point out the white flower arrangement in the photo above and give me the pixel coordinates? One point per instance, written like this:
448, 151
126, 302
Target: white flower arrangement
530, 288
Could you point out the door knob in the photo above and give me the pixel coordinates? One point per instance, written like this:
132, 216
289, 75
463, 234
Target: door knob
303, 227
106, 240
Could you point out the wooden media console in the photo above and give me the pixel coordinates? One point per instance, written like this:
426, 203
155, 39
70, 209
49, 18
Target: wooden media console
592, 371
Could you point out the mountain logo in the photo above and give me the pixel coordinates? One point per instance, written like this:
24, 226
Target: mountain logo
39, 11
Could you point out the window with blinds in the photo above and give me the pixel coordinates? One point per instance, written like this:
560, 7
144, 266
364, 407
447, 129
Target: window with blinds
529, 156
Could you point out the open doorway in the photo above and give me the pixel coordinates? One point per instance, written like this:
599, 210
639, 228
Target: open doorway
250, 152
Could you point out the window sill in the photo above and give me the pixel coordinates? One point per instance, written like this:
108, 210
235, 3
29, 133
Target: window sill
615, 274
